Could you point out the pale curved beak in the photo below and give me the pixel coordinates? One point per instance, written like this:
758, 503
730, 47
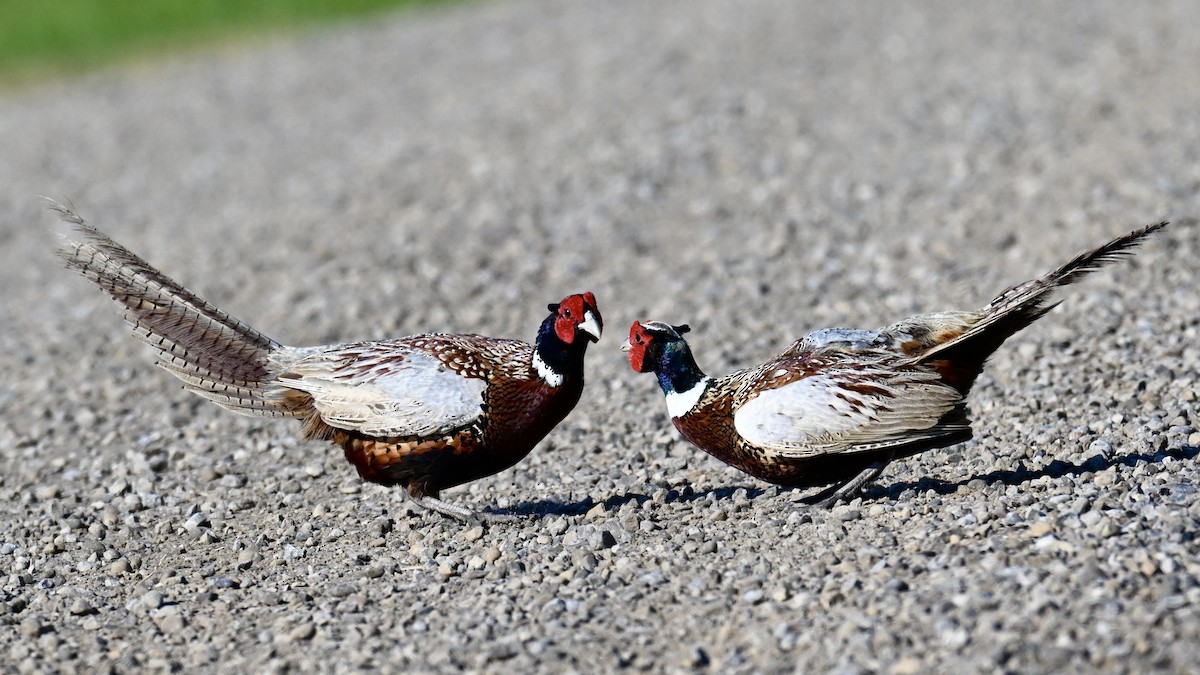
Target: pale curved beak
625, 346
591, 326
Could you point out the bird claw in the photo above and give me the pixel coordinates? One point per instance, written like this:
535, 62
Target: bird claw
848, 489
488, 518
824, 504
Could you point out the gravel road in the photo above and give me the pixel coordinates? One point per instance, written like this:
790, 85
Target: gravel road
755, 169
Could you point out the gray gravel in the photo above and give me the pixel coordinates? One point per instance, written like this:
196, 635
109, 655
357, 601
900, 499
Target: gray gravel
756, 169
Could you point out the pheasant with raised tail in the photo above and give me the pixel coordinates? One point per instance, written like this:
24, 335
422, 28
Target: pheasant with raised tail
425, 413
839, 404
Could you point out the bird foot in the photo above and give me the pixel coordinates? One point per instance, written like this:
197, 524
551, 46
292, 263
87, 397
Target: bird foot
492, 518
847, 490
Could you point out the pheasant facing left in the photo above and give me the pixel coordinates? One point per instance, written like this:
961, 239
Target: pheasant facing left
840, 404
426, 412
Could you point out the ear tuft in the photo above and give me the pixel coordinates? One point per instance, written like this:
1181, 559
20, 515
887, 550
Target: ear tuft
682, 328
553, 307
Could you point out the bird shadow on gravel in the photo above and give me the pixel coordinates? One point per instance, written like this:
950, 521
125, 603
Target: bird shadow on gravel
555, 507
1055, 469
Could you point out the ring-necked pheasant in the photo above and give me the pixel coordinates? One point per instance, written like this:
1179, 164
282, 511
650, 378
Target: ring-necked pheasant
426, 412
840, 404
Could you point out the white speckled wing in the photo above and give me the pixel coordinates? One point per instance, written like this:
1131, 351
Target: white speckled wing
844, 412
392, 392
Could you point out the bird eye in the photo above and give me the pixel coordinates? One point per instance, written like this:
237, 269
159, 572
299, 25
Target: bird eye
567, 313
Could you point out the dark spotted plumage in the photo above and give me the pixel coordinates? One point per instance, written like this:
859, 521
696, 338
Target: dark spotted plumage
426, 412
839, 404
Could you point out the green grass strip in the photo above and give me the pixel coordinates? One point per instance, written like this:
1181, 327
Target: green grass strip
51, 37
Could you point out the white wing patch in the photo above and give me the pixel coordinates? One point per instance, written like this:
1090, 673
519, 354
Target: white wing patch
815, 414
400, 393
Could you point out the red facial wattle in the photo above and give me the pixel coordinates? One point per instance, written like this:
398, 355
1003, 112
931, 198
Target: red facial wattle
639, 340
575, 311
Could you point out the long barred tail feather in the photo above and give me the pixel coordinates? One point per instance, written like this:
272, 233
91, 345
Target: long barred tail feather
1024, 303
215, 355
1090, 261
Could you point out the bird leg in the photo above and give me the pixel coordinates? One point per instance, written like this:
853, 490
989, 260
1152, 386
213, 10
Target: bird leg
848, 489
455, 511
444, 508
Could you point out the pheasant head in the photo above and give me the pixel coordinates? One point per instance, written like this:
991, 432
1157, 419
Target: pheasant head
577, 315
564, 336
659, 348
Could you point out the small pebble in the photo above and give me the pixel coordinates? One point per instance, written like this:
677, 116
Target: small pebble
153, 599
195, 521
607, 539
33, 626
595, 512
80, 607
302, 633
